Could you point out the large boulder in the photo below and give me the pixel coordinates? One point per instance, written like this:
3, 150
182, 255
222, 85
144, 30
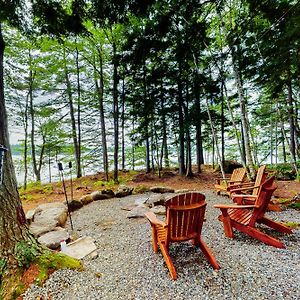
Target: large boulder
161, 189
52, 239
86, 199
98, 195
109, 193
124, 191
155, 200
47, 217
75, 204
229, 166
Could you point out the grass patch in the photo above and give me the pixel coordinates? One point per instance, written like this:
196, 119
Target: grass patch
34, 189
104, 184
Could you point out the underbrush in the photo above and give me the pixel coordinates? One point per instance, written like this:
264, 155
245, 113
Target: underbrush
284, 171
35, 264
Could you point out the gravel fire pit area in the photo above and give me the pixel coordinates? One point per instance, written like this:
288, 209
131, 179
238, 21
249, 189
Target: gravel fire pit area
127, 268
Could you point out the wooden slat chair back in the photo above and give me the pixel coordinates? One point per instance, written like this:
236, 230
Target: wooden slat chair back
245, 217
261, 176
237, 177
185, 216
184, 220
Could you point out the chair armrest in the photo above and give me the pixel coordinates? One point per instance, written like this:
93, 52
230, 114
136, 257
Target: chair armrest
243, 196
244, 189
227, 206
241, 185
235, 181
154, 220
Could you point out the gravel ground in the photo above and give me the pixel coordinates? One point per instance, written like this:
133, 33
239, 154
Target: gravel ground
127, 268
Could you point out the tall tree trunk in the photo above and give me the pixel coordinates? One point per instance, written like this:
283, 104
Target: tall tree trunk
133, 147
26, 141
78, 161
123, 124
181, 159
13, 227
115, 112
244, 116
189, 172
100, 94
222, 128
165, 150
198, 123
147, 121
32, 116
72, 115
291, 119
214, 136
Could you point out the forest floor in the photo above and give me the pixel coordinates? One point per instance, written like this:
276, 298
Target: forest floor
38, 194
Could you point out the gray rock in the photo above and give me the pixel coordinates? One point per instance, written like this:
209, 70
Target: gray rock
138, 212
161, 189
159, 210
38, 229
30, 216
124, 191
75, 204
98, 195
155, 200
128, 207
182, 191
110, 193
52, 239
47, 217
81, 247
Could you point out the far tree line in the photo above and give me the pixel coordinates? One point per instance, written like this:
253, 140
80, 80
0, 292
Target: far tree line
160, 86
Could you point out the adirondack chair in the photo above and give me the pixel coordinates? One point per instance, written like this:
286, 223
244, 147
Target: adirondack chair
223, 184
184, 219
237, 191
245, 217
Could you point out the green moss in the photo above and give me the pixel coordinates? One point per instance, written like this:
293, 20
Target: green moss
292, 224
54, 261
283, 200
18, 291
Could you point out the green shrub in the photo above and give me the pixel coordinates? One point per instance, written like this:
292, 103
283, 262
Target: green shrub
25, 253
283, 171
295, 205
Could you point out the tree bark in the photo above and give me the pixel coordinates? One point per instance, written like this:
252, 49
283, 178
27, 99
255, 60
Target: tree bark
198, 123
123, 124
165, 150
292, 127
181, 158
72, 116
214, 137
36, 168
78, 160
13, 227
115, 112
244, 116
100, 93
